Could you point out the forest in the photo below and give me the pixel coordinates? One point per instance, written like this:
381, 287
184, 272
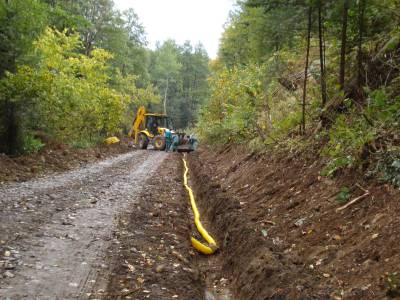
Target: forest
74, 72
311, 75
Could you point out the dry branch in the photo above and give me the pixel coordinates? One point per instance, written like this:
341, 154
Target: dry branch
353, 201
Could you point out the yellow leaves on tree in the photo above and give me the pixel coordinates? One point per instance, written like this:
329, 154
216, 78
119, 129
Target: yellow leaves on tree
74, 96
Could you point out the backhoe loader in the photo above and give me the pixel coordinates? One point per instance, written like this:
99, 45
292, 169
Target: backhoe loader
149, 129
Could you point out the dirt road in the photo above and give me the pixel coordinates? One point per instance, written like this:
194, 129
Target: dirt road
54, 231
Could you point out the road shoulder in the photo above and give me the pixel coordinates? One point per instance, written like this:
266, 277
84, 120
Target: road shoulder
150, 256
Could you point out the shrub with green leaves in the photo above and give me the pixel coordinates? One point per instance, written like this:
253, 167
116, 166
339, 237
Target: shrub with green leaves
388, 167
353, 131
69, 95
347, 139
32, 144
344, 195
383, 109
248, 103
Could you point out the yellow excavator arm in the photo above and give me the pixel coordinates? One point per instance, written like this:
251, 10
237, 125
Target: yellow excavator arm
137, 122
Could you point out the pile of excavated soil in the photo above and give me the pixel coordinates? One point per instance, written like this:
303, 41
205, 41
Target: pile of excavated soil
281, 235
151, 256
54, 158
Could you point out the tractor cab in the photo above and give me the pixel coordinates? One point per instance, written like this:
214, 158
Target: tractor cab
157, 123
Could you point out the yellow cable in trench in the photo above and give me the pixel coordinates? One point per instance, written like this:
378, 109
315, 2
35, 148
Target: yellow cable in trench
205, 249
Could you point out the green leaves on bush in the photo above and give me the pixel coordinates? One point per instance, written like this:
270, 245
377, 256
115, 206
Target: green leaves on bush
388, 167
31, 144
353, 132
68, 94
248, 103
344, 195
231, 114
347, 139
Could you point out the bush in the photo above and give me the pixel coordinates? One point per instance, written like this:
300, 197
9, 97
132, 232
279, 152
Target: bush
81, 144
347, 139
388, 167
31, 144
246, 103
354, 131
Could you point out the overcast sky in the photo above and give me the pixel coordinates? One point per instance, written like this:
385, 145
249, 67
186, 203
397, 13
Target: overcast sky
181, 20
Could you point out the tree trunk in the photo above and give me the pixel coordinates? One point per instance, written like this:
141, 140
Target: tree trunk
12, 136
322, 55
165, 97
343, 47
303, 123
361, 12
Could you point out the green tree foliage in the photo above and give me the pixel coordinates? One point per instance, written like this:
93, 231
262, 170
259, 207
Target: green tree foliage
102, 26
231, 114
20, 23
180, 73
67, 94
61, 81
255, 31
78, 70
195, 90
165, 70
248, 104
352, 81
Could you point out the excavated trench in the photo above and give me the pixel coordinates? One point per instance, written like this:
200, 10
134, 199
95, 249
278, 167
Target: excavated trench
151, 256
250, 266
210, 263
281, 234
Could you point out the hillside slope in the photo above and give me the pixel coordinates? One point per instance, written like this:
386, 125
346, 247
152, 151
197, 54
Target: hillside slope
282, 234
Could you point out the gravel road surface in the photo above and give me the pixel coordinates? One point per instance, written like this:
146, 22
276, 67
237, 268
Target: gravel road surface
54, 230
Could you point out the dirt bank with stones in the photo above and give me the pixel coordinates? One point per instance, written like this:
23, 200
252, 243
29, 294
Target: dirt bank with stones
282, 234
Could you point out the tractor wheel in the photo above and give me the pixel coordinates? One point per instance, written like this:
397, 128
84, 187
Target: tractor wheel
143, 141
159, 143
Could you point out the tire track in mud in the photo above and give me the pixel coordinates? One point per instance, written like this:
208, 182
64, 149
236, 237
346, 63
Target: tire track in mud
57, 228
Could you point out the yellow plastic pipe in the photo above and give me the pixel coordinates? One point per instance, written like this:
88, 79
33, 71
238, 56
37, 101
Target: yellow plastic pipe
205, 249
201, 247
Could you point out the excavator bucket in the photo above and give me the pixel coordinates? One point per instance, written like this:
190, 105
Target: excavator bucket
111, 140
184, 149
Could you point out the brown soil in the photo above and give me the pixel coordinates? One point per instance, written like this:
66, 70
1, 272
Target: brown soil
281, 237
54, 158
151, 257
